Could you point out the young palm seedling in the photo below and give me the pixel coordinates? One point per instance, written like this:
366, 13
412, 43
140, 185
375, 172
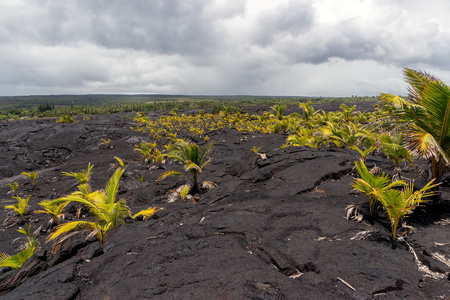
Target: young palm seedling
364, 153
103, 204
150, 153
145, 213
370, 184
14, 187
65, 119
184, 192
82, 177
141, 179
21, 207
16, 261
105, 143
278, 110
194, 159
308, 111
394, 149
255, 150
397, 203
32, 175
55, 211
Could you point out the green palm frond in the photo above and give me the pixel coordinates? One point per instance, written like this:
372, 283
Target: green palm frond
74, 226
393, 147
16, 261
146, 212
113, 185
21, 207
193, 157
120, 161
82, 177
108, 212
427, 118
192, 167
10, 261
398, 203
364, 153
84, 189
170, 173
53, 210
370, 184
424, 144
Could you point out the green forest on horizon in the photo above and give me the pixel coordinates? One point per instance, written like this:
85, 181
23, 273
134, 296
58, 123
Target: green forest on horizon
16, 107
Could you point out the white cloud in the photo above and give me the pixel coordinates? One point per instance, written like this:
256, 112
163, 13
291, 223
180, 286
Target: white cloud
286, 47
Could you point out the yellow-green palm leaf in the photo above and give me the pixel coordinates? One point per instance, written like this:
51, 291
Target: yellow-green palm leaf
170, 173
427, 118
146, 212
398, 203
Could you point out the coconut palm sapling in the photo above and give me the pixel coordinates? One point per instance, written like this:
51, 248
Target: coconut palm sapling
194, 159
398, 203
21, 207
55, 211
370, 184
393, 147
426, 115
103, 204
16, 261
14, 187
278, 110
308, 110
32, 175
364, 153
82, 177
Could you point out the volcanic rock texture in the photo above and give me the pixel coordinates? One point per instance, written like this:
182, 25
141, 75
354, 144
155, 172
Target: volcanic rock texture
275, 227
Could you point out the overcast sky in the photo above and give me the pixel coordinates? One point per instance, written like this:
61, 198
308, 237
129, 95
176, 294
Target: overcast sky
220, 47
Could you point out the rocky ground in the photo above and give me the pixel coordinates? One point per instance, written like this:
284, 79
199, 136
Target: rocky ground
273, 228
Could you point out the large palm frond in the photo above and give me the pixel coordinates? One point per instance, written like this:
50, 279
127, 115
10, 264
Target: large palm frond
427, 117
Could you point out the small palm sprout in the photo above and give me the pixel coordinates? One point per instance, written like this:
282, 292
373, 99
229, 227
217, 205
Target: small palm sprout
308, 110
255, 150
21, 207
105, 143
364, 153
184, 192
16, 261
82, 177
278, 110
103, 204
65, 119
393, 147
53, 210
32, 176
370, 183
194, 159
14, 187
150, 153
145, 213
141, 179
397, 203
347, 112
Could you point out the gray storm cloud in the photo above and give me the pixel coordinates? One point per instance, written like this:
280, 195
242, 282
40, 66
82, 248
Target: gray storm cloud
216, 47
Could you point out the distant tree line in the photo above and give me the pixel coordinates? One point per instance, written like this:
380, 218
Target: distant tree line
56, 106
